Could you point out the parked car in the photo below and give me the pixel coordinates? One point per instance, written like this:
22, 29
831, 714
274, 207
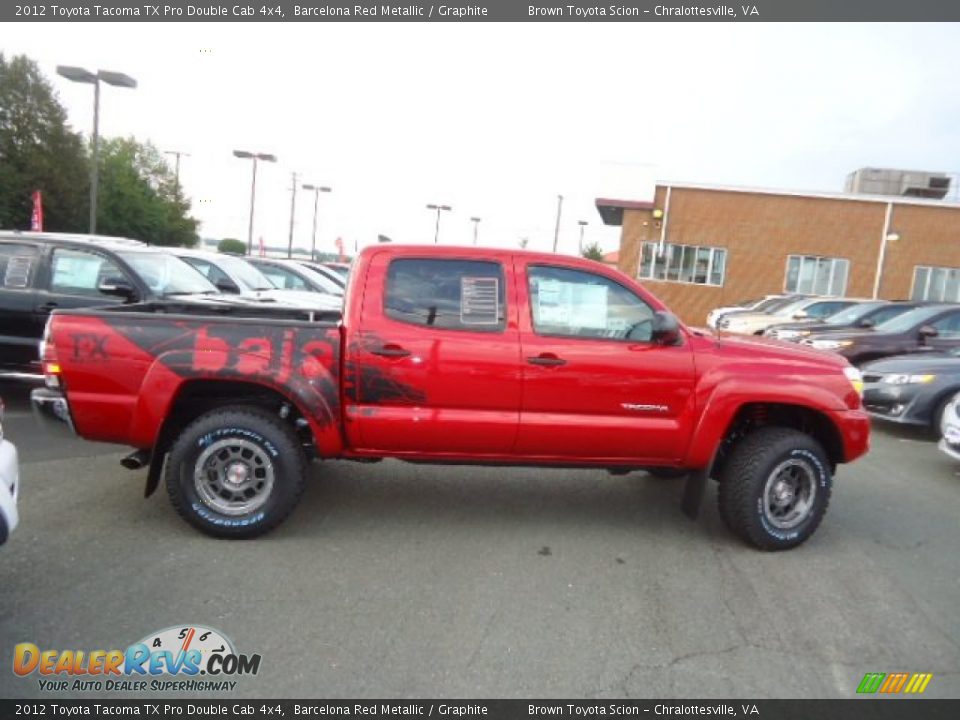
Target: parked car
931, 328
912, 389
460, 355
950, 428
234, 275
764, 304
863, 315
292, 275
342, 269
41, 272
754, 323
327, 272
9, 484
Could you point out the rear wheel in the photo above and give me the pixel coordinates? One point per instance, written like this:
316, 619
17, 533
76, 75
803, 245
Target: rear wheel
775, 488
236, 472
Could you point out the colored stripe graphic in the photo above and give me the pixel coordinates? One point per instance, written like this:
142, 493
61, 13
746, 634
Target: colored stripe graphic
893, 683
918, 683
871, 682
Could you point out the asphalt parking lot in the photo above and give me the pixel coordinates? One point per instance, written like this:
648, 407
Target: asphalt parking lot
397, 580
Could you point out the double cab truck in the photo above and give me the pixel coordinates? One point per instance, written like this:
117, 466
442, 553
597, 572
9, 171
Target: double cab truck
453, 356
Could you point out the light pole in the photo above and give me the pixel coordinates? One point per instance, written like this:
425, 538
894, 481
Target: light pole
436, 230
476, 224
582, 224
317, 189
177, 154
78, 74
265, 157
556, 229
293, 210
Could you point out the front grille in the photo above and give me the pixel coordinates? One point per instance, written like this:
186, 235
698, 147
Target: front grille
872, 378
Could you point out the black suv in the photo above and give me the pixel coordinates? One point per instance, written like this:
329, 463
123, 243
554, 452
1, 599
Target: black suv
41, 272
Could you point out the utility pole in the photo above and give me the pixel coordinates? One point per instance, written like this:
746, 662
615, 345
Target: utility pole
476, 224
556, 230
582, 224
176, 170
293, 210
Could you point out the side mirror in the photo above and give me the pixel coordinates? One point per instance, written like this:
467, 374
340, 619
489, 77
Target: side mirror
866, 323
666, 329
927, 331
118, 286
226, 285
800, 315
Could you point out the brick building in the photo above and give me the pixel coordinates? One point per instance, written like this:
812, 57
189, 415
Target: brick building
724, 245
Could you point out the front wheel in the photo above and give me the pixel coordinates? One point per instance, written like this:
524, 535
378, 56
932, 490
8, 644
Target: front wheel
775, 488
236, 472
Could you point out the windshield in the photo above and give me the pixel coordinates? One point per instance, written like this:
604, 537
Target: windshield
904, 322
791, 306
322, 281
245, 274
850, 315
167, 275
764, 305
773, 305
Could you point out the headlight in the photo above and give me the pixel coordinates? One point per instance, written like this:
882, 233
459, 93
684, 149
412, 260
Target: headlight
787, 334
903, 379
831, 344
855, 378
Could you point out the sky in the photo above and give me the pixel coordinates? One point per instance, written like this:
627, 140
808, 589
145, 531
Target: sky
497, 120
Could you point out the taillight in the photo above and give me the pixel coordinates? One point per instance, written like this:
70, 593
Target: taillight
48, 358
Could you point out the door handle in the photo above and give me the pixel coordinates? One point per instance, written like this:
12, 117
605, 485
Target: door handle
390, 351
47, 307
546, 360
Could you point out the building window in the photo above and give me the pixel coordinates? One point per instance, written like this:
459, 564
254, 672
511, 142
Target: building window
936, 283
813, 275
683, 263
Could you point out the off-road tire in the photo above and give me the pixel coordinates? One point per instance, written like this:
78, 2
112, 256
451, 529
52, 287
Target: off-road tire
746, 474
268, 439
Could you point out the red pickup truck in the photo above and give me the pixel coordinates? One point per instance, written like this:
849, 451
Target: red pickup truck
456, 355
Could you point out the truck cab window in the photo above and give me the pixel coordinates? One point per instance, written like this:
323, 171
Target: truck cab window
78, 272
573, 303
446, 294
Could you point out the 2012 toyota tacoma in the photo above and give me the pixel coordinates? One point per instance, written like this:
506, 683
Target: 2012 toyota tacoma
457, 355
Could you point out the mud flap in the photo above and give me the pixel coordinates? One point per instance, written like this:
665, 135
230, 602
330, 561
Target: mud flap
153, 475
693, 493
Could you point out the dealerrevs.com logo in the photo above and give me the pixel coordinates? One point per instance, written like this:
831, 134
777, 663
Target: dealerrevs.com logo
185, 658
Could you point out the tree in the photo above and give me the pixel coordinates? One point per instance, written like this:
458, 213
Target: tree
139, 196
38, 151
232, 245
593, 252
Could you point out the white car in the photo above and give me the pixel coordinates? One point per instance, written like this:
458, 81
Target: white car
753, 323
235, 276
9, 484
764, 304
950, 428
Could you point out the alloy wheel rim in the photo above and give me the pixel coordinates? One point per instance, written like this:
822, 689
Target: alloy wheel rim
233, 476
790, 493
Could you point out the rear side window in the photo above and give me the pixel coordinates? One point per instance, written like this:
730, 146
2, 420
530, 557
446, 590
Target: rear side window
446, 294
18, 265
